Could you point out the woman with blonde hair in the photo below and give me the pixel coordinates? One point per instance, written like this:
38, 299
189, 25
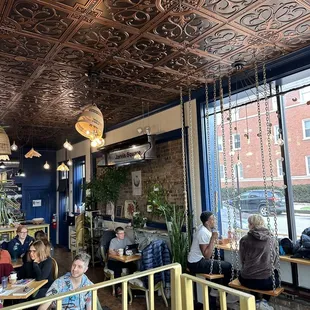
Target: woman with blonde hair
39, 268
258, 256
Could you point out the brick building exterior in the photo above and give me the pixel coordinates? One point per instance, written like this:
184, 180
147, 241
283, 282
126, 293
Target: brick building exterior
245, 120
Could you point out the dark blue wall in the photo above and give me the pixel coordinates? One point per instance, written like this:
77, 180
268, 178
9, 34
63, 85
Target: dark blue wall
39, 184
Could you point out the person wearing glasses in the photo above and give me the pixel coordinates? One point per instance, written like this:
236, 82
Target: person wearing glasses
117, 247
20, 244
72, 281
39, 267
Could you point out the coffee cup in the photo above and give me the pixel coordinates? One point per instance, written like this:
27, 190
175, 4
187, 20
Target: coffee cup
129, 252
13, 278
120, 252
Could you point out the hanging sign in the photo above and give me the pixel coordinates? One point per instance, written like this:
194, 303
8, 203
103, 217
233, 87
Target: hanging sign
131, 154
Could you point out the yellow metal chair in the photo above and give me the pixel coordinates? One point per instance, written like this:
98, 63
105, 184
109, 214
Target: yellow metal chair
54, 268
108, 273
138, 284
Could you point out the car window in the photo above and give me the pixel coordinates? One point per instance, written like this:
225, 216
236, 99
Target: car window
244, 195
254, 194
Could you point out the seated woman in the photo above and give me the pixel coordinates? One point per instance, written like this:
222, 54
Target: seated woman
256, 256
19, 245
40, 235
39, 268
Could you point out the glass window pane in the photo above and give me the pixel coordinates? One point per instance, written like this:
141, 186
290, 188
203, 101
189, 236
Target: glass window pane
248, 194
297, 115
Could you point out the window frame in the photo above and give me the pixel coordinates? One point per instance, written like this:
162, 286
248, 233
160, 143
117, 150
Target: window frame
234, 141
240, 169
276, 133
279, 167
304, 129
307, 158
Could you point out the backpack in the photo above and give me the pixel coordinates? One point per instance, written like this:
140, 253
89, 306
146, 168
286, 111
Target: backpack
287, 245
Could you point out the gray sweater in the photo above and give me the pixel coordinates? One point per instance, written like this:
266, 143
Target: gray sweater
255, 254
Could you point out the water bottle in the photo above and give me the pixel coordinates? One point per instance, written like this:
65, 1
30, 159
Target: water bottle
15, 249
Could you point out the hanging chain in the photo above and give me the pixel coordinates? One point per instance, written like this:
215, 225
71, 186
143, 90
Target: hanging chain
269, 139
225, 170
209, 164
234, 250
192, 166
260, 134
184, 166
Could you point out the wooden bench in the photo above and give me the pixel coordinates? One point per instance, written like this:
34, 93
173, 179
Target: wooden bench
210, 277
237, 285
301, 261
207, 276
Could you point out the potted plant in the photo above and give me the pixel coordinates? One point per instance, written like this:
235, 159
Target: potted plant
106, 187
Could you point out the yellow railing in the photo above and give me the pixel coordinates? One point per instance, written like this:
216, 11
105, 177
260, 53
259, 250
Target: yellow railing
181, 299
247, 301
175, 275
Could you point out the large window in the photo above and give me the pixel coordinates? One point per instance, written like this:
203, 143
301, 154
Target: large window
308, 165
279, 168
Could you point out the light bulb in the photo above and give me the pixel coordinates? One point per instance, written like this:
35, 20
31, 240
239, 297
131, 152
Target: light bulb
93, 143
100, 141
14, 147
66, 144
2, 165
46, 166
140, 130
70, 147
69, 162
87, 132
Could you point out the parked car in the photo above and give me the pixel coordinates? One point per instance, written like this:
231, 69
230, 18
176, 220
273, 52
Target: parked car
254, 201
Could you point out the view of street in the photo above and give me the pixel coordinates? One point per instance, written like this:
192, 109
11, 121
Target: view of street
302, 222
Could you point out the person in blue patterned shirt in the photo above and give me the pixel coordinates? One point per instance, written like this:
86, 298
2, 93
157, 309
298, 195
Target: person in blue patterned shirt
71, 281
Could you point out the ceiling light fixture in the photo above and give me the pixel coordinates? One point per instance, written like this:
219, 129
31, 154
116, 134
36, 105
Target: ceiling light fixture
62, 167
90, 124
32, 153
4, 157
5, 146
69, 162
67, 145
2, 165
46, 166
14, 147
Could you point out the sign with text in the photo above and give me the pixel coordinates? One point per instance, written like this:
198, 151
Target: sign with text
36, 203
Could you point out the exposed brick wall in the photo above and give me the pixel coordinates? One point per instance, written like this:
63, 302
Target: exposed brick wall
165, 170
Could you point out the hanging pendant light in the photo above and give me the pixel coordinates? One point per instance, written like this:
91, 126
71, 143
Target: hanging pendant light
62, 167
5, 147
14, 147
46, 166
32, 153
69, 162
90, 124
2, 165
4, 157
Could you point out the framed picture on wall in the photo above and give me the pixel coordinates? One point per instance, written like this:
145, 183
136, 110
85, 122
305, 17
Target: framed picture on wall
119, 211
130, 208
109, 208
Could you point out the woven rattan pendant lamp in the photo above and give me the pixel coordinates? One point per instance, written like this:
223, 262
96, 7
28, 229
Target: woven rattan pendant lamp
90, 124
5, 146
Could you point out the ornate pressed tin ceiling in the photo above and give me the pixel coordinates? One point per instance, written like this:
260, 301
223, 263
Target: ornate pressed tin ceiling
144, 50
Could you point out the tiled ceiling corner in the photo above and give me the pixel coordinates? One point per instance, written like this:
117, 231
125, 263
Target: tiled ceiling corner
144, 50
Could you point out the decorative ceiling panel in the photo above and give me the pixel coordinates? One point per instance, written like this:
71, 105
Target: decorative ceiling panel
135, 13
100, 37
183, 28
33, 17
227, 8
142, 50
25, 46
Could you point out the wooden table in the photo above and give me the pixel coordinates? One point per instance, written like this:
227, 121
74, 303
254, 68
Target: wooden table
18, 263
125, 258
36, 285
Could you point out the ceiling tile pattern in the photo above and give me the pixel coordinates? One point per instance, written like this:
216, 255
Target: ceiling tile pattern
143, 51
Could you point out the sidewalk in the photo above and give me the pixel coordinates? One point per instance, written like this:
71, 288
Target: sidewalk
300, 208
